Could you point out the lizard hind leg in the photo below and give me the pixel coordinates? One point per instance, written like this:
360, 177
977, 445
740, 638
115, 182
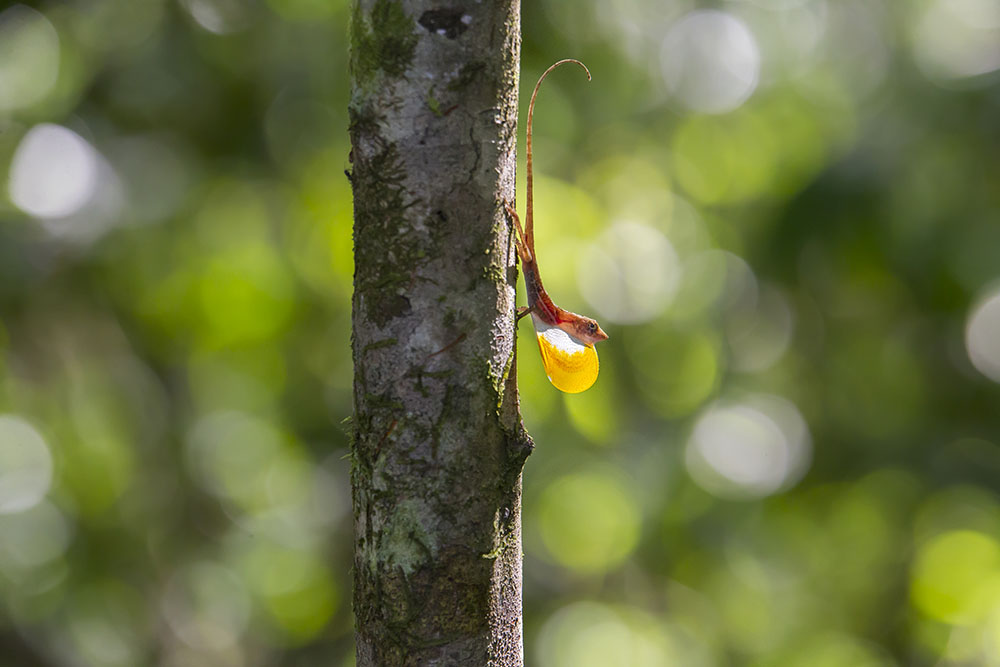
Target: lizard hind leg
522, 249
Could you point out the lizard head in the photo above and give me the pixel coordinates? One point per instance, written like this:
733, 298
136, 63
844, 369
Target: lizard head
584, 328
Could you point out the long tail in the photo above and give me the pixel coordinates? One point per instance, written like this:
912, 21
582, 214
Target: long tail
529, 231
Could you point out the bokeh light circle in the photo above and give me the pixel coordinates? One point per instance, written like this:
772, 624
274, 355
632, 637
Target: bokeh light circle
982, 336
958, 39
710, 61
748, 448
242, 459
951, 576
33, 537
759, 336
207, 606
217, 16
590, 634
25, 465
589, 521
677, 370
294, 586
29, 57
630, 274
54, 172
107, 624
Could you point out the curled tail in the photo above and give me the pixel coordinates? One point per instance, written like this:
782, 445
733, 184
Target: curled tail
529, 231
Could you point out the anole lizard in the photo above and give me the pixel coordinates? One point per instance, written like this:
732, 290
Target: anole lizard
566, 340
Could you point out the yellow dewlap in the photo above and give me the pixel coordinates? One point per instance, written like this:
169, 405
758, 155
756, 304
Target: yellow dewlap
570, 363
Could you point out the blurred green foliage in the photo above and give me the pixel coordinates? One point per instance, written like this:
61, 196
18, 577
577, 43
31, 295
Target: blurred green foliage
784, 212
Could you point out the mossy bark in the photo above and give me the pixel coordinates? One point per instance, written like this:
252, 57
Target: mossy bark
438, 443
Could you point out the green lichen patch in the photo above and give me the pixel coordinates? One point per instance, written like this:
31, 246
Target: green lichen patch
385, 42
432, 103
507, 540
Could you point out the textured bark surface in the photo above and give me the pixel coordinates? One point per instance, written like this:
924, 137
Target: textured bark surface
438, 443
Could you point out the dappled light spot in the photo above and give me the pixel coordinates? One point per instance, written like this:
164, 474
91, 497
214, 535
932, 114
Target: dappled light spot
957, 40
714, 281
749, 607
629, 274
36, 592
98, 216
726, 159
29, 57
590, 634
595, 413
308, 501
98, 462
53, 173
678, 370
749, 448
33, 538
206, 605
121, 30
156, 175
982, 336
634, 187
741, 290
790, 37
295, 517
270, 487
295, 586
956, 577
589, 521
959, 507
685, 228
832, 648
991, 638
57, 177
246, 295
710, 61
25, 465
803, 132
248, 380
700, 154
237, 287
780, 5
559, 244
858, 58
703, 280
232, 455
759, 335
317, 232
217, 16
108, 624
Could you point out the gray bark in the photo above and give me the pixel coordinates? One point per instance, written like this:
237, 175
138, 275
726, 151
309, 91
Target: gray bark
438, 445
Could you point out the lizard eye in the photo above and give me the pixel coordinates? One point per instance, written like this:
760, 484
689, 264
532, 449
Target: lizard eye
592, 327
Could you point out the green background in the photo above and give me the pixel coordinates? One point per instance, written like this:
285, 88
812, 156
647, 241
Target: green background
784, 213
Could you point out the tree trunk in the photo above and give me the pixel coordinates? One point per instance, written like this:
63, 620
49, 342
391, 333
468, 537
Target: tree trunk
438, 444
